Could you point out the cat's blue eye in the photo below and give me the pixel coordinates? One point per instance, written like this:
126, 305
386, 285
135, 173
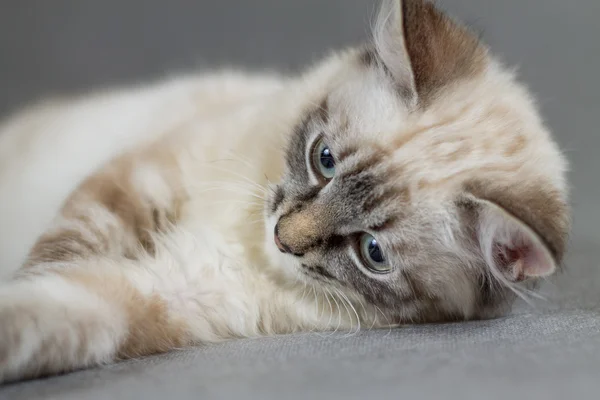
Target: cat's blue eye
372, 254
323, 161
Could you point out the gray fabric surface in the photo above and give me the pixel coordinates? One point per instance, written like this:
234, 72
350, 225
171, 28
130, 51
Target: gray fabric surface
551, 351
553, 356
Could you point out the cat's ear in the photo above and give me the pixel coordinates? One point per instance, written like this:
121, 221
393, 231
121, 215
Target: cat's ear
517, 247
391, 47
424, 49
509, 246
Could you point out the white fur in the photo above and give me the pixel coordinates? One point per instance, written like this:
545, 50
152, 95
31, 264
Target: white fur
53, 320
47, 150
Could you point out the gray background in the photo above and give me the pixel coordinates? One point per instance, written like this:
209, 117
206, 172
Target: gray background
76, 45
56, 46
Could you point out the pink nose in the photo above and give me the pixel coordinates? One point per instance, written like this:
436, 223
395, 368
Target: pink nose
282, 247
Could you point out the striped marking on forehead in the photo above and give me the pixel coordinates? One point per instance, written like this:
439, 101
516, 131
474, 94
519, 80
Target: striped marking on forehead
372, 185
317, 114
322, 111
422, 129
359, 163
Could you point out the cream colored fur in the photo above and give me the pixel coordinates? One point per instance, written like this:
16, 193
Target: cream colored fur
203, 275
218, 272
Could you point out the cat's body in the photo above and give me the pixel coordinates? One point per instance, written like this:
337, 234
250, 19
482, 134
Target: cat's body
61, 142
176, 202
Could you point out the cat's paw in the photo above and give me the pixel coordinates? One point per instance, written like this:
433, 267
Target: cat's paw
49, 326
36, 339
37, 336
19, 341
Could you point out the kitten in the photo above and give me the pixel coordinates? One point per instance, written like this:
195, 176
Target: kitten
409, 180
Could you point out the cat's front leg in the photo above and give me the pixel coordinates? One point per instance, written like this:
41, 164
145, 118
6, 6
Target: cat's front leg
67, 319
50, 325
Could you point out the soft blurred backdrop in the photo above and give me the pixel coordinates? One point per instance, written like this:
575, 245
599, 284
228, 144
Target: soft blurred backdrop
69, 46
58, 46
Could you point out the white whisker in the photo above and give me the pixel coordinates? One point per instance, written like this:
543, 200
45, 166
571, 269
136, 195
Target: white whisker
330, 307
316, 301
227, 185
237, 174
337, 306
342, 300
389, 323
354, 310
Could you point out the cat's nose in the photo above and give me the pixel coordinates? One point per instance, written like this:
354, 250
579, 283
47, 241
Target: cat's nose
302, 231
280, 245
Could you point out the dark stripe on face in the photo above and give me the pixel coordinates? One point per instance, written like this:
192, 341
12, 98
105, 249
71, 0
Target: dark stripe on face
376, 199
384, 225
278, 198
319, 271
310, 194
362, 166
346, 152
296, 154
378, 293
295, 159
322, 271
323, 111
415, 285
334, 242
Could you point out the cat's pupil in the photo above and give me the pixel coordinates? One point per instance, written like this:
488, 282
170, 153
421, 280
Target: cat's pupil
375, 251
326, 158
322, 161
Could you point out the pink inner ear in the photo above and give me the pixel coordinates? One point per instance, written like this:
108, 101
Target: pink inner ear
537, 261
510, 247
511, 261
528, 259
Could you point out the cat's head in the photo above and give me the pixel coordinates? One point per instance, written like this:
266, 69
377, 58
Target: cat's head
422, 179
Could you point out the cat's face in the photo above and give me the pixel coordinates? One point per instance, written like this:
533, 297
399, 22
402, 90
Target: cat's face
422, 181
